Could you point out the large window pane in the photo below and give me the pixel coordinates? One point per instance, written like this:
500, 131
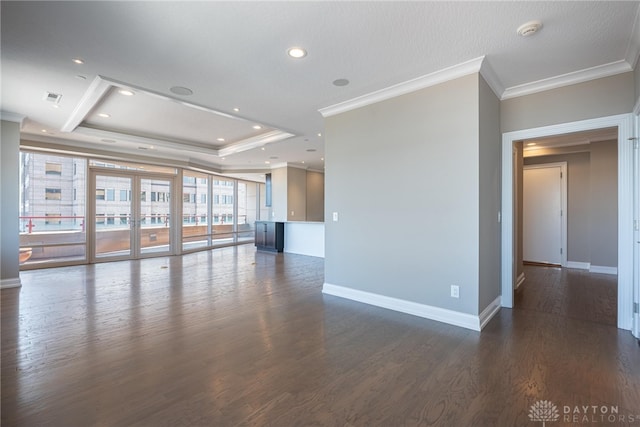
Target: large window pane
222, 210
52, 208
195, 217
247, 210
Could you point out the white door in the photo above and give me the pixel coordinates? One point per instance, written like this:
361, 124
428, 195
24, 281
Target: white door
544, 215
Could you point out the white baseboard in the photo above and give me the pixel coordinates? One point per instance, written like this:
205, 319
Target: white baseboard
451, 317
603, 270
579, 265
10, 283
519, 280
491, 310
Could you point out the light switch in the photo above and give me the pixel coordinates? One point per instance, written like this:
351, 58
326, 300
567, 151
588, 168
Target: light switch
335, 216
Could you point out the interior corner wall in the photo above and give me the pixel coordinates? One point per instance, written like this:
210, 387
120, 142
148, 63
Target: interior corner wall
402, 175
296, 194
490, 192
604, 203
603, 97
279, 194
315, 196
9, 202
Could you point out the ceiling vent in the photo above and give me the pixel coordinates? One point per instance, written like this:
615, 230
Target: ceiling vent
54, 98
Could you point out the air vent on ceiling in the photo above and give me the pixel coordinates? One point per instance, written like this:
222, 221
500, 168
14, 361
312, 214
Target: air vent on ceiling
54, 98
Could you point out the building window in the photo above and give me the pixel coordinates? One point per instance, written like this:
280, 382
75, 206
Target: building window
123, 195
203, 198
216, 199
185, 197
75, 196
100, 218
143, 196
53, 219
123, 219
153, 196
111, 194
52, 193
99, 193
53, 168
111, 219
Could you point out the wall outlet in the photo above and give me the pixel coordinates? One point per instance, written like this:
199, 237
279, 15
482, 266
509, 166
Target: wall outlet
455, 291
293, 213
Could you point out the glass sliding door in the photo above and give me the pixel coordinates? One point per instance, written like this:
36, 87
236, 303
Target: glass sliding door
132, 215
155, 216
113, 216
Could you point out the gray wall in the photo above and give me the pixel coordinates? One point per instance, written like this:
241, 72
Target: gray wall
489, 201
315, 196
296, 194
403, 176
592, 200
597, 98
10, 201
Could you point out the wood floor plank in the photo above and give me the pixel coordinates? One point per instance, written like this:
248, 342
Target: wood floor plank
235, 337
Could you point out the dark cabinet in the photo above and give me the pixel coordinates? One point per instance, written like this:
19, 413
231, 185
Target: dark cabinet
269, 236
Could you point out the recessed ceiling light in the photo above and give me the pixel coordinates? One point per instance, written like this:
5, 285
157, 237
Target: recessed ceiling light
531, 144
125, 92
152, 147
529, 28
303, 161
55, 106
297, 52
319, 134
257, 127
78, 61
322, 158
267, 162
104, 115
180, 90
220, 139
341, 82
262, 148
43, 131
224, 158
236, 109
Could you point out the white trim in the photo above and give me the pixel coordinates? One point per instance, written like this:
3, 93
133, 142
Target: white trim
489, 312
519, 281
10, 283
579, 265
563, 204
572, 78
451, 317
603, 269
624, 123
435, 78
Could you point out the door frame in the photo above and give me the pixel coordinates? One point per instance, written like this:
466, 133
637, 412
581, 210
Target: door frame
624, 123
136, 177
563, 204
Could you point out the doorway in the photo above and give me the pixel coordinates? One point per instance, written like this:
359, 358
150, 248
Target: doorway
132, 215
624, 125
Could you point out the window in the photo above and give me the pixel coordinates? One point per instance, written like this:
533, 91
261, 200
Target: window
203, 198
216, 218
189, 179
143, 196
52, 193
153, 196
123, 196
100, 218
53, 168
111, 219
216, 199
111, 194
124, 219
186, 198
99, 193
75, 196
53, 219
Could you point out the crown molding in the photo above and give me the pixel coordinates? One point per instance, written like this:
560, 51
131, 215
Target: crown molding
254, 142
12, 117
568, 79
444, 75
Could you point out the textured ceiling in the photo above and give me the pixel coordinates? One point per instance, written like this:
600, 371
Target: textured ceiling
233, 55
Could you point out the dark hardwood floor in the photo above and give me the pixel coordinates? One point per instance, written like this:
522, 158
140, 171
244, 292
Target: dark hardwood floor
572, 293
235, 337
